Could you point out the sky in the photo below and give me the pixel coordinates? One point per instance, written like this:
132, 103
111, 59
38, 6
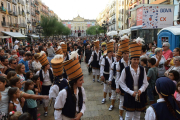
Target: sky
69, 9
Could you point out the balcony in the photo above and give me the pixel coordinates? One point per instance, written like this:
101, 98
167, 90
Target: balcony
14, 2
20, 12
16, 25
34, 24
11, 25
15, 14
32, 4
37, 11
19, 1
27, 2
10, 12
23, 13
22, 25
36, 2
28, 22
9, 0
3, 10
28, 12
4, 24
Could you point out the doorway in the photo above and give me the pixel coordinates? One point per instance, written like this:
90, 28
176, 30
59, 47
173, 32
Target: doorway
79, 34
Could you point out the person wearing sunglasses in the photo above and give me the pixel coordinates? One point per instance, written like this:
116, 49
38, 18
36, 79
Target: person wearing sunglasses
167, 53
12, 65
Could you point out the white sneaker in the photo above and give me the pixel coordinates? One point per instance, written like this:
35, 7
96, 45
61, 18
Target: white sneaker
98, 81
109, 99
120, 118
102, 83
103, 100
111, 108
93, 80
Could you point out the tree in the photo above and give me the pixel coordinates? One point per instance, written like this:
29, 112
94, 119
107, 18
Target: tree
92, 30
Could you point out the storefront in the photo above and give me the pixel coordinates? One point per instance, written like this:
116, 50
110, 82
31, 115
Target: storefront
147, 20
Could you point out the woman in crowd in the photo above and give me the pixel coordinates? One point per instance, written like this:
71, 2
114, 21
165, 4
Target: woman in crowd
20, 70
36, 64
176, 66
160, 62
176, 52
50, 52
166, 108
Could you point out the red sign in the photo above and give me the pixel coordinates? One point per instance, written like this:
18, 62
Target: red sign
139, 16
75, 31
10, 41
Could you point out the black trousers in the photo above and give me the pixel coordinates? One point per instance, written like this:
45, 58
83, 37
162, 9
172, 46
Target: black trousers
33, 112
90, 69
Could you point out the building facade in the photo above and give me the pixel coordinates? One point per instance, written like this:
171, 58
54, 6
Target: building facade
78, 25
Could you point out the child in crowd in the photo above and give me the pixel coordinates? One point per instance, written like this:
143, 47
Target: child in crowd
29, 75
20, 70
37, 84
143, 63
11, 74
177, 92
31, 103
174, 76
15, 104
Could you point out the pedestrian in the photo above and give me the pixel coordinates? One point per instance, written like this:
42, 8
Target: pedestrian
105, 70
152, 76
46, 77
15, 104
59, 82
176, 52
94, 61
88, 53
167, 53
124, 62
174, 76
70, 102
31, 103
166, 108
112, 77
20, 70
134, 82
51, 52
25, 60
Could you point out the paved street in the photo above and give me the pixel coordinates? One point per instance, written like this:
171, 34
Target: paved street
94, 109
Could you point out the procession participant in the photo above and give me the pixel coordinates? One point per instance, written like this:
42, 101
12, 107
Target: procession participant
59, 82
124, 62
103, 47
70, 102
105, 69
94, 61
112, 78
66, 56
166, 108
46, 77
134, 82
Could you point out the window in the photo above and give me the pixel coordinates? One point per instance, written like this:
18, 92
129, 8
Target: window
8, 6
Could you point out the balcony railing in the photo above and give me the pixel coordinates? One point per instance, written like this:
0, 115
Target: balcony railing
11, 25
9, 0
15, 14
32, 4
28, 21
16, 25
28, 12
37, 11
4, 24
22, 25
3, 9
14, 2
36, 2
10, 12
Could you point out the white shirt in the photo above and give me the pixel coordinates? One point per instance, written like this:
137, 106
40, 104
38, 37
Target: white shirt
4, 102
61, 100
111, 71
47, 80
135, 76
118, 70
16, 47
150, 113
103, 64
54, 90
161, 67
92, 56
66, 57
36, 65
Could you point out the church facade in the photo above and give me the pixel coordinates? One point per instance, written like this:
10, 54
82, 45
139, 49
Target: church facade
78, 25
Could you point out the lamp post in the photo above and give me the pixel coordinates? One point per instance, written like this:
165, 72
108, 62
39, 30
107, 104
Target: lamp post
96, 32
38, 29
105, 24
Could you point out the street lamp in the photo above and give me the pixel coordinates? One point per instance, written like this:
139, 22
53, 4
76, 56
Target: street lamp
39, 30
96, 33
105, 26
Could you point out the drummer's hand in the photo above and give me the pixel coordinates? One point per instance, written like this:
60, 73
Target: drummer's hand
139, 92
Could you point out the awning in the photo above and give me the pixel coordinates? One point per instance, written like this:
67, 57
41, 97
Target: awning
136, 27
14, 34
5, 36
34, 36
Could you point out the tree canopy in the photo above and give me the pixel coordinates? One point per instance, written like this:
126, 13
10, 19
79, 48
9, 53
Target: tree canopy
52, 27
92, 30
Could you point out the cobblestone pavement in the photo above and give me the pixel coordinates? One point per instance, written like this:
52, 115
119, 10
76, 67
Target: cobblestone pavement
94, 109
